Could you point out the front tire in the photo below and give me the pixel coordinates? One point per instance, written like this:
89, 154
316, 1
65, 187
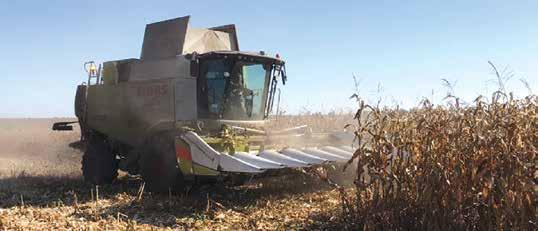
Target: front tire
99, 164
158, 165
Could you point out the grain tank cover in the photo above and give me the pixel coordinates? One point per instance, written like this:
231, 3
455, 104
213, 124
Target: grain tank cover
174, 37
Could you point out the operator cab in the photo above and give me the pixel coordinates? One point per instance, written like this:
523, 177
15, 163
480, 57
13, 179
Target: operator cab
235, 85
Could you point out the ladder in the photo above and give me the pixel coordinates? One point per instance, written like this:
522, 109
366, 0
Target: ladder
93, 71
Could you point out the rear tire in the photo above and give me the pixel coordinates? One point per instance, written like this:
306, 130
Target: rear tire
158, 165
99, 164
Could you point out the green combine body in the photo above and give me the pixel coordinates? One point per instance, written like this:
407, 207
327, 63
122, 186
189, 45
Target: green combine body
191, 107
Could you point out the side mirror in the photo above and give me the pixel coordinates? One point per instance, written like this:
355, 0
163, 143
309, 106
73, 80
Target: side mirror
194, 68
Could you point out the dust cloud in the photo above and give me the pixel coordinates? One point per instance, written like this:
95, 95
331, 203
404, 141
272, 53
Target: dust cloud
323, 128
30, 147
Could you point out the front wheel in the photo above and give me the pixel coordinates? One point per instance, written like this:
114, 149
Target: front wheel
158, 165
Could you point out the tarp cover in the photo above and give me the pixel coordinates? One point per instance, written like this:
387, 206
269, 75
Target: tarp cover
204, 40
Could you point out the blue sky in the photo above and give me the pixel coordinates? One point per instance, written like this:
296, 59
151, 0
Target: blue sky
403, 48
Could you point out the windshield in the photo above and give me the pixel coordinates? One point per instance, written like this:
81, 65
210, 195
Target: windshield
233, 89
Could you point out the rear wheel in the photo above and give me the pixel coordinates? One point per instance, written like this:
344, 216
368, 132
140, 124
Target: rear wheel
99, 164
158, 165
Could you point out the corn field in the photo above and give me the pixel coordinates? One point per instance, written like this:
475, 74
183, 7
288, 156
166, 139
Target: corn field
446, 167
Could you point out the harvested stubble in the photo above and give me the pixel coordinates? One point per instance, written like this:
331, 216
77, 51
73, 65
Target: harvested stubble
446, 167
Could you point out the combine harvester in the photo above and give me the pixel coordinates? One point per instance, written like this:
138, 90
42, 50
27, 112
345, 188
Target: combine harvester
191, 109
